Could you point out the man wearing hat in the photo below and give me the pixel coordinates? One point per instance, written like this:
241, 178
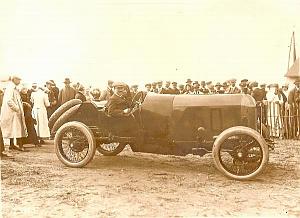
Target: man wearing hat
294, 107
244, 82
259, 96
244, 86
159, 86
148, 87
54, 88
67, 93
52, 98
118, 104
181, 89
80, 93
154, 87
225, 86
219, 89
188, 86
211, 89
233, 89
167, 88
174, 90
108, 92
12, 120
203, 88
189, 81
196, 88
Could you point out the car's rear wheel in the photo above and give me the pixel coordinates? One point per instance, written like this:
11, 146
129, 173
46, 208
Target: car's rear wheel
75, 144
240, 153
110, 149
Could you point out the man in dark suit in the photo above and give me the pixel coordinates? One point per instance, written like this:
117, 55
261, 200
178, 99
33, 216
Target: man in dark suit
52, 98
118, 104
294, 107
67, 93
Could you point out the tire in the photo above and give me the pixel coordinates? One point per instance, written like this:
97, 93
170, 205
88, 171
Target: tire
79, 138
114, 152
59, 111
257, 149
63, 118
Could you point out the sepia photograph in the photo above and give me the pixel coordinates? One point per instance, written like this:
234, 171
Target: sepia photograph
149, 108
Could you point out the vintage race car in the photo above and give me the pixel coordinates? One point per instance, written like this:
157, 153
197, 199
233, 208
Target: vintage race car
224, 125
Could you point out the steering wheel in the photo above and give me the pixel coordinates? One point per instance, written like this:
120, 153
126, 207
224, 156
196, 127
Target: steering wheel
137, 100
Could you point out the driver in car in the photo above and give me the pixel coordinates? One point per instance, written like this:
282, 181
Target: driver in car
119, 104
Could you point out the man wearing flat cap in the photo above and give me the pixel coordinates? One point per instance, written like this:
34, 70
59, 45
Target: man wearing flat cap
67, 93
118, 104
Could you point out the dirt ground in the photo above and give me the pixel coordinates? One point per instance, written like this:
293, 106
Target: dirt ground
37, 184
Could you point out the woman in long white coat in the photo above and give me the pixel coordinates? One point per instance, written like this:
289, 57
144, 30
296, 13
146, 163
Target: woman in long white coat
40, 103
274, 111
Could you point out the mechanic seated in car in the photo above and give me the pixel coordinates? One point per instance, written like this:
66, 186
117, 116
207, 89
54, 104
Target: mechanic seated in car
119, 104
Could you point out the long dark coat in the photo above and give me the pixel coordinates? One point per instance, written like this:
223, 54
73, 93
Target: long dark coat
29, 121
116, 105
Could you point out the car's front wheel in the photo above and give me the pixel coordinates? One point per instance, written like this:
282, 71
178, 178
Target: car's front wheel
240, 153
75, 144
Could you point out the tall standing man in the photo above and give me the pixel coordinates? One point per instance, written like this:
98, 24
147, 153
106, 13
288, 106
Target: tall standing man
67, 93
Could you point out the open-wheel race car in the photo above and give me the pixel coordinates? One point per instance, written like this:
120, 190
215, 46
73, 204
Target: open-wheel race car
224, 125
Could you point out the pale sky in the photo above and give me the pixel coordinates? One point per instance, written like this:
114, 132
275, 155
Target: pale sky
140, 41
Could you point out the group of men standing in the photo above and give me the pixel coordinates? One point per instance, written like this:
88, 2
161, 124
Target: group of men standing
199, 88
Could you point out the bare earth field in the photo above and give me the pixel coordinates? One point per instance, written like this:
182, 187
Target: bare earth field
37, 184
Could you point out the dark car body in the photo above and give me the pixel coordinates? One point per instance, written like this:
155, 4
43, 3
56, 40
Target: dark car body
171, 124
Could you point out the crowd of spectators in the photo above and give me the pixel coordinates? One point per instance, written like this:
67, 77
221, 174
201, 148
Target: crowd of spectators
25, 111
